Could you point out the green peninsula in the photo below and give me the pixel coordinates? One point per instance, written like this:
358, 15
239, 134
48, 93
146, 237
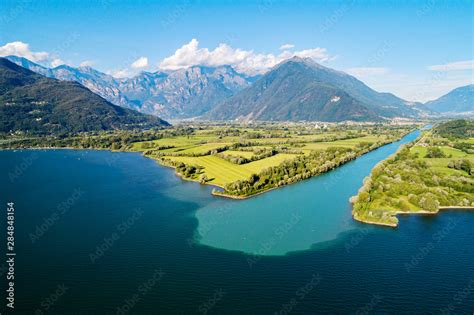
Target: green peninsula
432, 173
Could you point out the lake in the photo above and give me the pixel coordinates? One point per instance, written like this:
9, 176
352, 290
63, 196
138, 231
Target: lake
115, 233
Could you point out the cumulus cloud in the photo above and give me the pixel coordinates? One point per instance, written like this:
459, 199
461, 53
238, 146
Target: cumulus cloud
368, 71
141, 62
120, 73
453, 66
246, 61
87, 63
21, 49
56, 62
286, 46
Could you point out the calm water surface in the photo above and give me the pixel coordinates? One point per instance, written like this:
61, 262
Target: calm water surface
101, 232
294, 217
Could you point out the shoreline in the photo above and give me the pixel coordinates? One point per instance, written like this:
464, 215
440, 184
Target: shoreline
236, 197
420, 212
216, 193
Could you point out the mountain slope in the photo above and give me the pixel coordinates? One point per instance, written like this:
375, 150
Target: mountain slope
300, 89
459, 100
183, 93
34, 103
96, 81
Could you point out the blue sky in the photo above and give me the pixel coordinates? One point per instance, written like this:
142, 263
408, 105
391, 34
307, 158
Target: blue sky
418, 50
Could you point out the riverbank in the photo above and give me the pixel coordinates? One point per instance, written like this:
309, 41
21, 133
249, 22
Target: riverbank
421, 212
240, 162
350, 156
430, 174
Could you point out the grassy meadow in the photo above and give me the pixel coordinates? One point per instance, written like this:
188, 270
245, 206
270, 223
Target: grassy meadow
220, 155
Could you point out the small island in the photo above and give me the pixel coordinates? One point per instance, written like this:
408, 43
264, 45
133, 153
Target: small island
425, 176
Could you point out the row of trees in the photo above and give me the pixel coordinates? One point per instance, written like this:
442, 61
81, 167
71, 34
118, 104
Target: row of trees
463, 164
115, 140
405, 182
297, 169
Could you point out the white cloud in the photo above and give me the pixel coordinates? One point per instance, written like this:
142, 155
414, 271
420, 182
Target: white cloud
286, 46
87, 63
453, 66
56, 62
246, 61
367, 71
141, 62
121, 73
21, 49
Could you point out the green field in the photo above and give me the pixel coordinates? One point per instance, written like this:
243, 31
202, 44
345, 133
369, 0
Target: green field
220, 172
213, 149
244, 154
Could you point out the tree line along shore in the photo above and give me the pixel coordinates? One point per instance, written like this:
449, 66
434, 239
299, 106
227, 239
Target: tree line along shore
425, 176
240, 160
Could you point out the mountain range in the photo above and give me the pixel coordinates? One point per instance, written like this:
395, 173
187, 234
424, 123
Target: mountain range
301, 89
38, 104
459, 100
296, 89
183, 93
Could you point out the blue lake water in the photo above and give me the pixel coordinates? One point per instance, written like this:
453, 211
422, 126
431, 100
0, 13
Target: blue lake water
114, 233
293, 218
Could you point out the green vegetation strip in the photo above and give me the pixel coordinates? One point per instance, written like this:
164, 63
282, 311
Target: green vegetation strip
422, 177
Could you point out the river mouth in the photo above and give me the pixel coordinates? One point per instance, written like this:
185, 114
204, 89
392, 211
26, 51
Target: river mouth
292, 218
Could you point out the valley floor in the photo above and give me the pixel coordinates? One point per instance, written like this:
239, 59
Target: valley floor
248, 161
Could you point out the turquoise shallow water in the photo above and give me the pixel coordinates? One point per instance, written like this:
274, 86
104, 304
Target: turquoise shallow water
291, 218
143, 219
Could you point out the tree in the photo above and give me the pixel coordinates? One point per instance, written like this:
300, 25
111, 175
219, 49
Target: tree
434, 152
115, 146
203, 178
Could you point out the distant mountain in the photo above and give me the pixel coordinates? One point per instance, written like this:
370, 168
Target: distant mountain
38, 104
96, 81
183, 93
301, 89
460, 100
